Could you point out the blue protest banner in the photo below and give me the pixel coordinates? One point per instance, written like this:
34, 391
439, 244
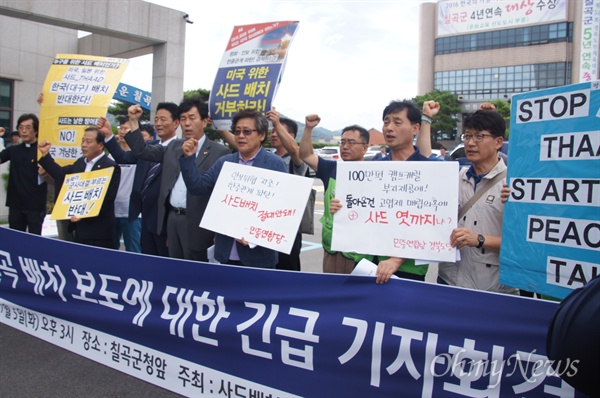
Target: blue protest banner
134, 95
551, 234
204, 329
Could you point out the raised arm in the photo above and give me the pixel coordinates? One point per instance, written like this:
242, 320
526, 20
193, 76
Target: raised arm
135, 140
120, 156
197, 183
430, 109
306, 147
288, 142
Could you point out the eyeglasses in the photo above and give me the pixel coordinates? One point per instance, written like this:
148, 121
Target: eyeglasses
351, 143
475, 137
245, 131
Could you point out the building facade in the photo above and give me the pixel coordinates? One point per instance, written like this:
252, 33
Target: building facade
33, 32
492, 49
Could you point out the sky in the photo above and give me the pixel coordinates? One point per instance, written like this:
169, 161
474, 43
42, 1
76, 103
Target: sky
348, 60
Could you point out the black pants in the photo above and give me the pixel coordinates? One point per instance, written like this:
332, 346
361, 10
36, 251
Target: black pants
26, 220
152, 243
291, 262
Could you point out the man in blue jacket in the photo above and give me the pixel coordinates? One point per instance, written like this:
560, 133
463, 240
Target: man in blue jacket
250, 129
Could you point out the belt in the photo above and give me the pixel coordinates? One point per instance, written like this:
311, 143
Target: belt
178, 210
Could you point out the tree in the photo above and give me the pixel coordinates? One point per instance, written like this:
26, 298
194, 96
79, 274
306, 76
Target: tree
119, 108
444, 124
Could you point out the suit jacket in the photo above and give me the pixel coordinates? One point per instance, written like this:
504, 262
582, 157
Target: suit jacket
199, 238
103, 225
200, 184
24, 192
148, 208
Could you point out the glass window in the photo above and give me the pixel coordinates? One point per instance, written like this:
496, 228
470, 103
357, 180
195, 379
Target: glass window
6, 104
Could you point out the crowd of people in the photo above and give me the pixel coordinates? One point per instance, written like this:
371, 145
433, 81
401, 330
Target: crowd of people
168, 182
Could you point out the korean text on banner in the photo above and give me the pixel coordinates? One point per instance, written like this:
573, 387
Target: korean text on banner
250, 70
77, 91
82, 194
469, 16
262, 206
551, 234
134, 95
214, 330
397, 209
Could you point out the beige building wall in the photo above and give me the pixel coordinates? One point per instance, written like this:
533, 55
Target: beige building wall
32, 32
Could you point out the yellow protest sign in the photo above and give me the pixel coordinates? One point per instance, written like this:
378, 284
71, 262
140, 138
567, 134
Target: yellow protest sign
77, 91
82, 194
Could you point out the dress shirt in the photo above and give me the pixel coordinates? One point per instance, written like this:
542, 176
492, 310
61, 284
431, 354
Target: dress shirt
178, 197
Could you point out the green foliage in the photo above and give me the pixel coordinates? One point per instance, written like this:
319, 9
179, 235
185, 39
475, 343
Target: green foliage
200, 92
119, 108
503, 107
445, 122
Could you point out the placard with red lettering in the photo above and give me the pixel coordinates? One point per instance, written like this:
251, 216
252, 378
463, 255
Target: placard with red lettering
262, 206
78, 89
401, 209
250, 70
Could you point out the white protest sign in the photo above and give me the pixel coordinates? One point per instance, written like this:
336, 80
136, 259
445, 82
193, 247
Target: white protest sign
262, 206
401, 209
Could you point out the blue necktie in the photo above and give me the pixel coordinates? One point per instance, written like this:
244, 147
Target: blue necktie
155, 169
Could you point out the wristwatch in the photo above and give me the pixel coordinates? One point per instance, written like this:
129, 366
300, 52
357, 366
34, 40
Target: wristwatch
481, 241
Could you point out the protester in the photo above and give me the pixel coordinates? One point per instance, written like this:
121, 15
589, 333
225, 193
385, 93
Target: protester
146, 180
402, 122
382, 153
443, 153
250, 129
15, 139
283, 139
353, 146
185, 237
129, 229
27, 191
573, 340
479, 232
94, 231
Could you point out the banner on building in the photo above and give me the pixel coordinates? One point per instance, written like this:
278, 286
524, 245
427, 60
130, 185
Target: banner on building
470, 16
134, 95
77, 91
202, 329
82, 194
590, 41
551, 229
397, 209
250, 70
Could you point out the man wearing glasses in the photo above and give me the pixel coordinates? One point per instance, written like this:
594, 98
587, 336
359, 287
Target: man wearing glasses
183, 211
479, 232
250, 129
353, 146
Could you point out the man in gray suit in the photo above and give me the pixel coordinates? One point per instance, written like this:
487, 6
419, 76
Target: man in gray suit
183, 211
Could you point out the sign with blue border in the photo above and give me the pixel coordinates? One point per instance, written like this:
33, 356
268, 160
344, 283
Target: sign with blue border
551, 228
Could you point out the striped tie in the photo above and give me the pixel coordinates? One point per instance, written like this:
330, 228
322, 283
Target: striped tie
149, 177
